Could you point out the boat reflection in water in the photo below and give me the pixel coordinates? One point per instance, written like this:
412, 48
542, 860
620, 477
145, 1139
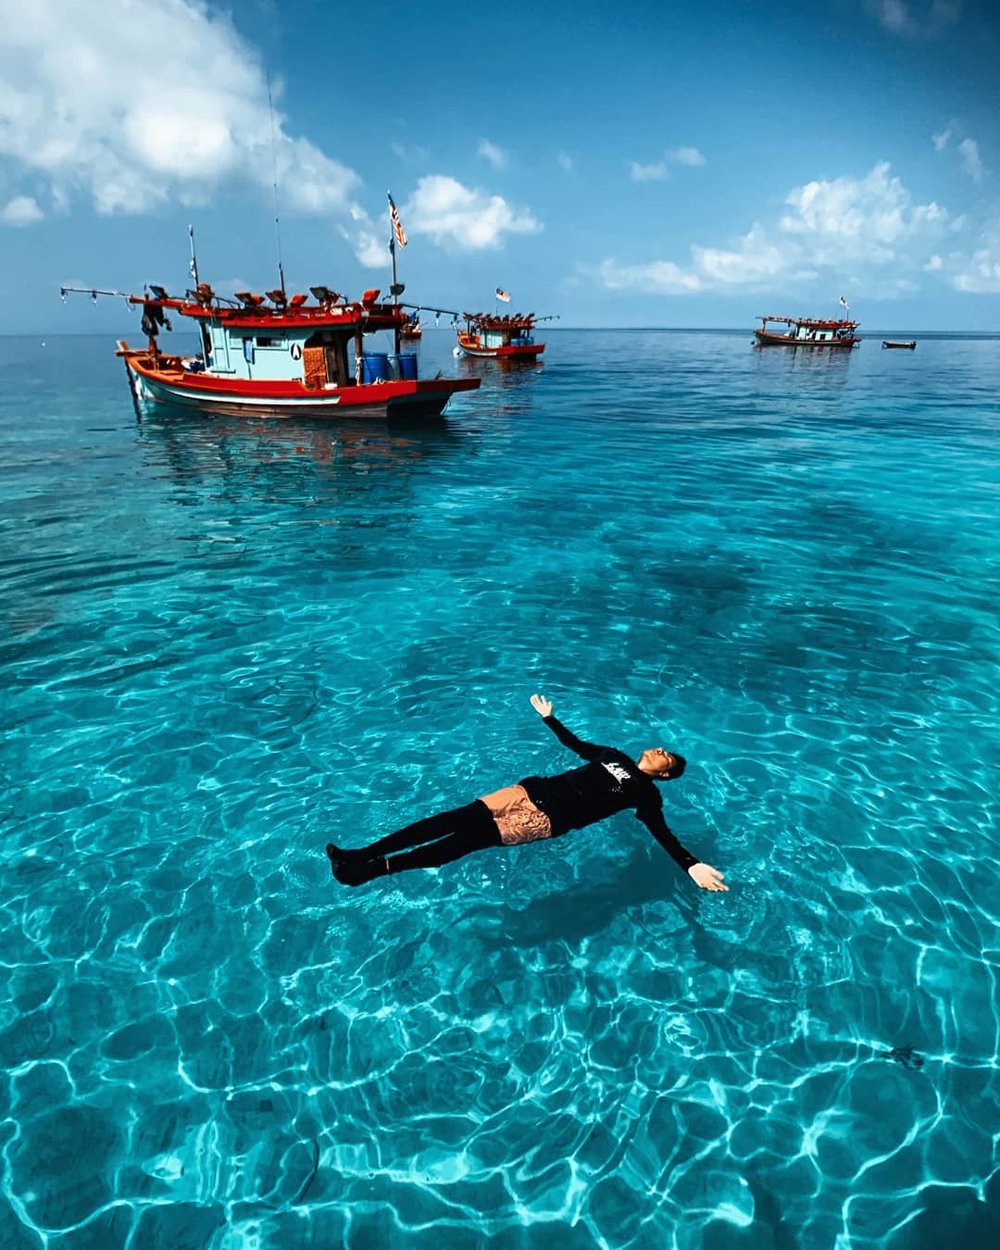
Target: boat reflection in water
292, 461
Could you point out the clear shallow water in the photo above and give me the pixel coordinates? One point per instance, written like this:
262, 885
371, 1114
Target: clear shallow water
224, 643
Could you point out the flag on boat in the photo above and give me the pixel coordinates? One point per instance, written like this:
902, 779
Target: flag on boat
397, 225
504, 295
845, 303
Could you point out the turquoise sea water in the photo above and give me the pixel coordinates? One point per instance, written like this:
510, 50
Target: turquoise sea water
223, 644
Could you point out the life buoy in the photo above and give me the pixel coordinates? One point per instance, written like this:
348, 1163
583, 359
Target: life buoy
296, 351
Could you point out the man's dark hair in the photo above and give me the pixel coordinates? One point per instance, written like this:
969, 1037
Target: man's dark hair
680, 763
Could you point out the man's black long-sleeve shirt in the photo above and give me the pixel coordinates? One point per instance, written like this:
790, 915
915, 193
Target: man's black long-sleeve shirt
610, 782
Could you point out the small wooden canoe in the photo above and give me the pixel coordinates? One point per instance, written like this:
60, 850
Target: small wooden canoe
910, 346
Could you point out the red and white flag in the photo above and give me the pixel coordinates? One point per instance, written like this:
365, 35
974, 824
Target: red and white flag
397, 225
504, 295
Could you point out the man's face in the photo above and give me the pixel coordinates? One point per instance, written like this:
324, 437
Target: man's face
658, 761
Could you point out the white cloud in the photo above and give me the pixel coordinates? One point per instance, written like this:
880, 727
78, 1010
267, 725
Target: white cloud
893, 14
859, 218
565, 162
685, 156
935, 264
968, 150
751, 264
660, 277
978, 273
467, 219
369, 248
160, 101
981, 273
942, 138
827, 227
656, 172
22, 210
914, 18
496, 156
406, 153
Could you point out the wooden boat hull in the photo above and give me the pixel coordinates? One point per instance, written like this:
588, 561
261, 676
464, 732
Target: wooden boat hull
908, 347
765, 338
171, 384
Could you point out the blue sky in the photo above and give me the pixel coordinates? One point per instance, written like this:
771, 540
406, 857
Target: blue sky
618, 164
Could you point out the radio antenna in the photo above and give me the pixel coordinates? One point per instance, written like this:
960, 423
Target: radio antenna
274, 163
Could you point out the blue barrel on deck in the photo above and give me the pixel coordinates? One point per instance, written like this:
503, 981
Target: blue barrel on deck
375, 367
408, 366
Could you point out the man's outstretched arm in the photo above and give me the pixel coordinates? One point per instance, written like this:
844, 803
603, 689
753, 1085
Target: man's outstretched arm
704, 875
586, 750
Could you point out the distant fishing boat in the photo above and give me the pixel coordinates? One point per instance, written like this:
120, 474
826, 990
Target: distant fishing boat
411, 328
490, 336
806, 332
898, 343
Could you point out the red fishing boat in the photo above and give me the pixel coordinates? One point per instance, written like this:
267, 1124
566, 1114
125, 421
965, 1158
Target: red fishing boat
806, 332
501, 338
411, 330
281, 356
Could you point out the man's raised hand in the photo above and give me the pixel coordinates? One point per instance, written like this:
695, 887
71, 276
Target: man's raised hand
541, 705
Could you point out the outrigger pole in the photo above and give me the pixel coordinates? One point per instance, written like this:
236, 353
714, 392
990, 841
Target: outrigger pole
93, 292
445, 312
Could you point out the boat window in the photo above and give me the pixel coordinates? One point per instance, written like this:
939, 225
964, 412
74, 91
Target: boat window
264, 342
326, 338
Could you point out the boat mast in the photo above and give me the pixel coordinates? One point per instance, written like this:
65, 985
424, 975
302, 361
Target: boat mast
193, 266
274, 164
392, 253
396, 231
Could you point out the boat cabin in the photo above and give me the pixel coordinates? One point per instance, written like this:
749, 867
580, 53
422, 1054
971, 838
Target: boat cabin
290, 340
